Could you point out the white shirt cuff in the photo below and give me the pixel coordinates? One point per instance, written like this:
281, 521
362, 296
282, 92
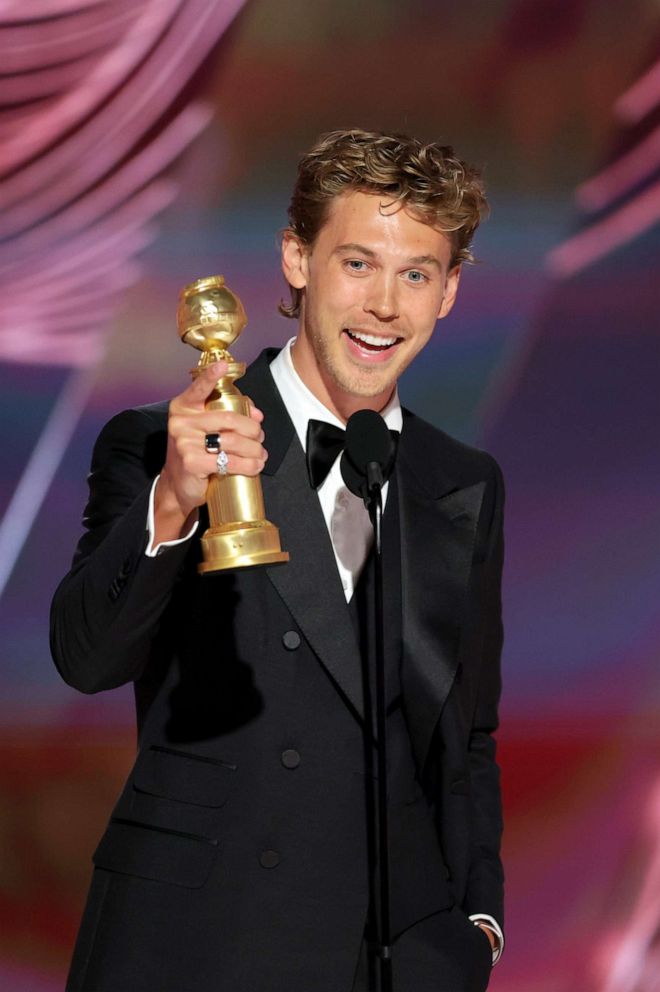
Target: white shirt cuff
494, 927
152, 551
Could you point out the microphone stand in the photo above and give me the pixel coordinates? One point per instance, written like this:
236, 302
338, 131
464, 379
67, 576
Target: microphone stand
368, 459
383, 949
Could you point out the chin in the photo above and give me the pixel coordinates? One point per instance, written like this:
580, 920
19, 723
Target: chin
366, 386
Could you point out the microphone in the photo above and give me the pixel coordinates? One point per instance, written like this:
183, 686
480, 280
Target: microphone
369, 454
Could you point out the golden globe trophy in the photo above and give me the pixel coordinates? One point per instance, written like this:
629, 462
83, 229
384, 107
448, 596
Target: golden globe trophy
210, 318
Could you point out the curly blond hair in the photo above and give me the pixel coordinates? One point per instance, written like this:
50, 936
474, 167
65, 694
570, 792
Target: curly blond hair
430, 181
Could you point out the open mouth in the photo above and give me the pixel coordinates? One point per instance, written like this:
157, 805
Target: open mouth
376, 343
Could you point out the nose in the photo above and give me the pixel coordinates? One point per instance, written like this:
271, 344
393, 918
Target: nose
381, 300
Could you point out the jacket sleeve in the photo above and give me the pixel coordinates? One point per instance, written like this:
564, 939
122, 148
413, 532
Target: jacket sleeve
106, 612
484, 893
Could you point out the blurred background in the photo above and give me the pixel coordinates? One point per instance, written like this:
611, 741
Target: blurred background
145, 145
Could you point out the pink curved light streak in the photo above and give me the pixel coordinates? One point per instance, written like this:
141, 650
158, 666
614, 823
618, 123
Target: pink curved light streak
641, 98
634, 216
115, 67
620, 177
602, 238
66, 255
39, 10
85, 213
47, 82
14, 119
135, 174
25, 50
115, 129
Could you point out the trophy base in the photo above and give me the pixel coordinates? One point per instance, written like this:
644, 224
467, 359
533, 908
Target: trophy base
225, 548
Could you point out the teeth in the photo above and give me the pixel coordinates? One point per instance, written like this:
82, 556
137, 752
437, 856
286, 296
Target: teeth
372, 339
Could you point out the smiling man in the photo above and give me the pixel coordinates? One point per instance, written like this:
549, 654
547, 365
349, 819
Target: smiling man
237, 857
375, 281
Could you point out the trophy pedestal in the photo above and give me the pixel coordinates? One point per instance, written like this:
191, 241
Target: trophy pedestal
240, 546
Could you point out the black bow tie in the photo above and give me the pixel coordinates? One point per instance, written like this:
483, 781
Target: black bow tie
324, 443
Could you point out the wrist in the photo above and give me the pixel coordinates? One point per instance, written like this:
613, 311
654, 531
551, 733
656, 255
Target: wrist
171, 519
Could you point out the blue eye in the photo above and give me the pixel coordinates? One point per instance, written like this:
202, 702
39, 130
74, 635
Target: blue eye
416, 276
356, 264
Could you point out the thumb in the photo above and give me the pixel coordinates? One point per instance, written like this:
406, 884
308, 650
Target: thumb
203, 384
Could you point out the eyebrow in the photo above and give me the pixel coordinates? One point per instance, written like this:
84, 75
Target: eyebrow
363, 250
353, 246
425, 260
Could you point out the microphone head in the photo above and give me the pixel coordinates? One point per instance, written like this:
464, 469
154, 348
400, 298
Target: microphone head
368, 446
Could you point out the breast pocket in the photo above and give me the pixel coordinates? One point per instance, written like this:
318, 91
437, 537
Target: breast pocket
183, 777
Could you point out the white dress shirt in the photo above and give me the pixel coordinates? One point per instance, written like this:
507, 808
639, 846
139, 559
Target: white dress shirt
345, 515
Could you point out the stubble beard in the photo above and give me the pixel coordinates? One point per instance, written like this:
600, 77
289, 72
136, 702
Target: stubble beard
365, 383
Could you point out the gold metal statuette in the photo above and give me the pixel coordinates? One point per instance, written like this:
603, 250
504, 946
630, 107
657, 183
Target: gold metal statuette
210, 318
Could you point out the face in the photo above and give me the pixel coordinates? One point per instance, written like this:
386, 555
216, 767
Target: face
375, 282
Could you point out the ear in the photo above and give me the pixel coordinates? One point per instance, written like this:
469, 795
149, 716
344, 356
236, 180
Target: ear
294, 260
451, 289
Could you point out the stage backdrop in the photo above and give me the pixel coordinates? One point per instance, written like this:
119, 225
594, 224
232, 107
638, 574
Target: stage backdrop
145, 145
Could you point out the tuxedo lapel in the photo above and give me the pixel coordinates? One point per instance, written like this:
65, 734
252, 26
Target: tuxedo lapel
309, 582
438, 529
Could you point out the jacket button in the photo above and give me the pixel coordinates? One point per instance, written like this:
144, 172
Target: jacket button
290, 758
269, 859
291, 640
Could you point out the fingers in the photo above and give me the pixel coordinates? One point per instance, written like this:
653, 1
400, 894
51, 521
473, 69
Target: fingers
238, 465
246, 456
242, 449
240, 438
199, 390
228, 420
255, 413
241, 435
192, 402
194, 426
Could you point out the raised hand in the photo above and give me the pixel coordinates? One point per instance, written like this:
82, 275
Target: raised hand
185, 476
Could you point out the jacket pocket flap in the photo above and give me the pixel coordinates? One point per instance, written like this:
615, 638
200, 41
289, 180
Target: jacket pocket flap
188, 778
134, 848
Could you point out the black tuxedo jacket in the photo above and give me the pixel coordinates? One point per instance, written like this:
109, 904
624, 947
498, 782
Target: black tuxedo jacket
235, 857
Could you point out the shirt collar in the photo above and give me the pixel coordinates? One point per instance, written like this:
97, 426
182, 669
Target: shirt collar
303, 406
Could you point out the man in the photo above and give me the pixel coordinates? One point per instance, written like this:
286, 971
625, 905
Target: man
238, 854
